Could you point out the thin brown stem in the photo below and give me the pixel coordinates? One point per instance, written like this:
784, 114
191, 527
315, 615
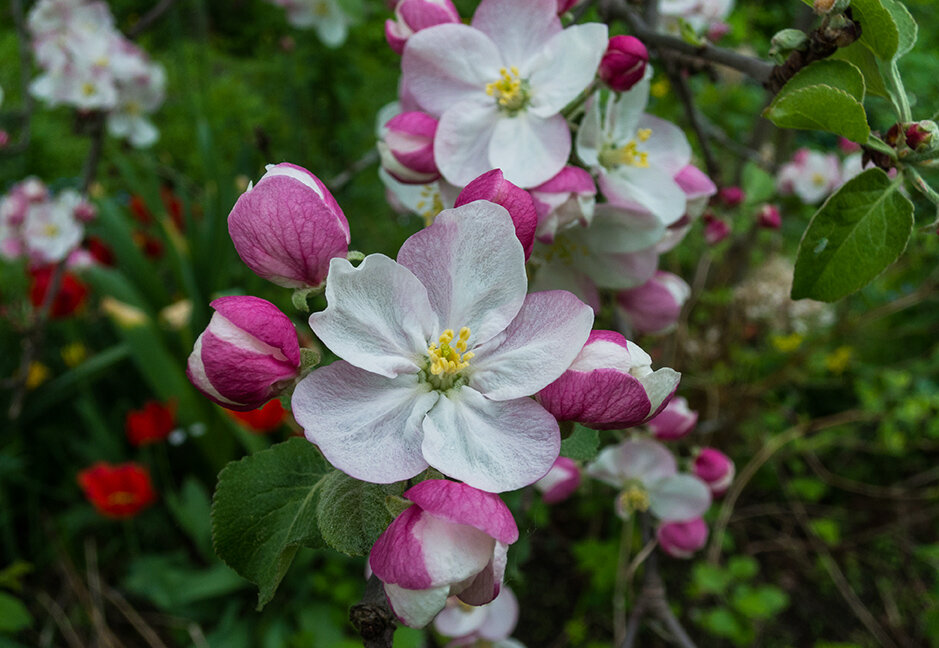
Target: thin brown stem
372, 616
149, 18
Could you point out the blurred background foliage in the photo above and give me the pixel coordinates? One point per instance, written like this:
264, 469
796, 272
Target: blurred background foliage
830, 412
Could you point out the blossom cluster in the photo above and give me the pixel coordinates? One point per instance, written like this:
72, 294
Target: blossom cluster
326, 17
88, 64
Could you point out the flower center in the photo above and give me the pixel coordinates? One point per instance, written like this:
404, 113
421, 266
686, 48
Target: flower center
430, 204
634, 498
510, 90
628, 154
121, 498
818, 179
446, 359
50, 229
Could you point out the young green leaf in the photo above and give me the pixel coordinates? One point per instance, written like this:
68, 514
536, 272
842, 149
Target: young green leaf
906, 26
820, 107
265, 509
865, 61
352, 513
582, 445
842, 75
856, 234
879, 31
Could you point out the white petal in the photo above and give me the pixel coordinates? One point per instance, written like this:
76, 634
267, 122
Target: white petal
590, 136
461, 144
651, 188
679, 498
623, 113
530, 150
519, 28
416, 608
565, 66
667, 146
452, 552
378, 318
366, 425
493, 446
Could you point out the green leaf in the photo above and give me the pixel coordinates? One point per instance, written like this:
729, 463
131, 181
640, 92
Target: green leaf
721, 622
12, 575
820, 107
710, 579
582, 445
173, 583
810, 489
743, 567
191, 508
352, 513
907, 28
758, 185
265, 509
865, 61
761, 602
879, 31
856, 234
842, 75
828, 530
13, 614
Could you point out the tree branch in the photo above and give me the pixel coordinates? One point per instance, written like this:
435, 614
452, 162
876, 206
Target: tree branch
372, 616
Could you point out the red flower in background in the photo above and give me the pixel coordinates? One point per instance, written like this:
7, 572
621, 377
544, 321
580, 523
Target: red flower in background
71, 293
151, 424
100, 251
263, 419
119, 491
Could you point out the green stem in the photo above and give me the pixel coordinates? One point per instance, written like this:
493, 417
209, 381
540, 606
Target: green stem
898, 96
923, 187
879, 145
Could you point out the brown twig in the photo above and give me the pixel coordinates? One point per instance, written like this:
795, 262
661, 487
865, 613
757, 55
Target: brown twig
61, 620
372, 616
133, 617
357, 167
149, 18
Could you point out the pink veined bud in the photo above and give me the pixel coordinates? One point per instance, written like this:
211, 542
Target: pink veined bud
715, 229
247, 355
920, 135
492, 186
682, 539
560, 482
407, 150
731, 196
288, 198
610, 365
654, 306
452, 541
411, 16
715, 469
85, 212
769, 217
624, 63
675, 421
566, 199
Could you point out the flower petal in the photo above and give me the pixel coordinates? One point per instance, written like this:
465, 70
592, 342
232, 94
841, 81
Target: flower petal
650, 188
398, 555
473, 268
679, 497
366, 425
565, 66
645, 460
449, 64
539, 344
590, 136
416, 608
519, 28
530, 149
667, 147
491, 445
461, 144
463, 504
660, 385
378, 318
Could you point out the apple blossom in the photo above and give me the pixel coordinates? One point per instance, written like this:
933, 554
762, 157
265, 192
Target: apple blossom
609, 385
624, 63
731, 196
715, 469
288, 198
492, 622
560, 482
647, 475
654, 306
701, 15
673, 422
407, 149
411, 16
768, 217
810, 175
444, 347
682, 539
493, 186
698, 188
565, 200
452, 540
498, 87
715, 229
326, 17
247, 355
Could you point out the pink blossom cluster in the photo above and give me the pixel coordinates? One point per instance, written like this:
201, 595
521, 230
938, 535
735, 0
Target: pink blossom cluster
326, 17
88, 64
41, 227
703, 16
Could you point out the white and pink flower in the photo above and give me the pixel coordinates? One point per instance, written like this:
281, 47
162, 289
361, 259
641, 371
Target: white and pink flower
485, 625
325, 17
560, 482
411, 16
566, 200
715, 469
407, 148
675, 421
682, 539
653, 307
440, 351
498, 87
493, 186
810, 175
452, 541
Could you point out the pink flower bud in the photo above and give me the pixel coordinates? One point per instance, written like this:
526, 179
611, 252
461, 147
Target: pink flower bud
452, 541
610, 385
289, 199
847, 146
492, 186
731, 196
411, 16
247, 354
769, 217
920, 135
715, 469
407, 151
682, 539
654, 306
567, 5
560, 482
717, 31
675, 421
4, 138
624, 63
715, 230
85, 212
566, 199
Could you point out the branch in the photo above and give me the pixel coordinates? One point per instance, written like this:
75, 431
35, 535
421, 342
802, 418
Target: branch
680, 83
149, 18
25, 69
357, 167
372, 616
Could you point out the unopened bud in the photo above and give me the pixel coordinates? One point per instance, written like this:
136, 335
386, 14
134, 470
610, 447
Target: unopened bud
624, 63
407, 150
715, 229
769, 217
786, 41
715, 469
493, 186
823, 7
920, 136
731, 196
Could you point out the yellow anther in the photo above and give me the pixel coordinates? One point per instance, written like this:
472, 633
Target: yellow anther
509, 89
818, 179
643, 134
634, 498
88, 89
50, 230
446, 359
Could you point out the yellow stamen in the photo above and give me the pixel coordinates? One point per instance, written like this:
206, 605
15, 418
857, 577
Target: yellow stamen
818, 179
509, 90
447, 359
643, 134
634, 498
50, 230
88, 89
628, 154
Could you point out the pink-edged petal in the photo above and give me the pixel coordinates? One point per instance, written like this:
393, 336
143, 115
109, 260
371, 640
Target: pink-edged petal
495, 446
461, 144
416, 608
502, 616
660, 386
397, 556
677, 498
457, 620
473, 268
366, 425
378, 316
263, 320
602, 399
529, 149
560, 482
539, 344
650, 188
565, 66
449, 64
463, 504
519, 28
695, 183
488, 583
244, 375
453, 553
